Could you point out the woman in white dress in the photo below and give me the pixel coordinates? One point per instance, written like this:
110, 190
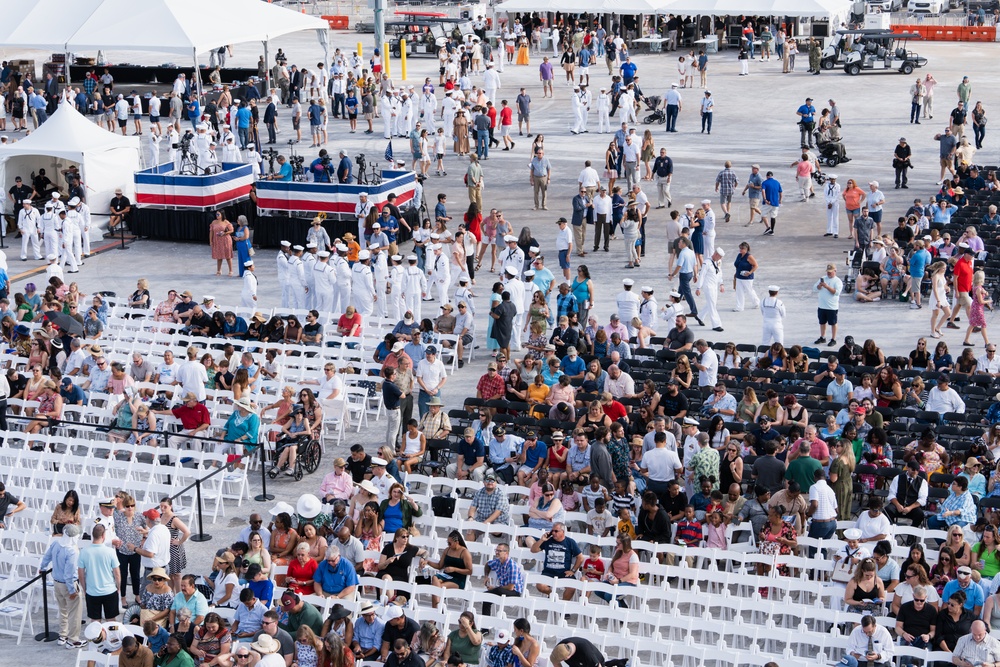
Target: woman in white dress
325, 118
939, 299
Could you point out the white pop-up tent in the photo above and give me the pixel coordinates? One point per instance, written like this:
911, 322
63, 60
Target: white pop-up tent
106, 161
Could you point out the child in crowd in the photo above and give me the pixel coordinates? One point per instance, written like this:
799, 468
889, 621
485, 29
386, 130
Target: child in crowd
592, 492
689, 531
593, 566
600, 521
625, 525
715, 532
569, 496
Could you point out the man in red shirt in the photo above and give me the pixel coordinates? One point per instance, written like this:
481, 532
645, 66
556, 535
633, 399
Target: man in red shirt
962, 283
611, 407
506, 121
491, 111
491, 385
194, 418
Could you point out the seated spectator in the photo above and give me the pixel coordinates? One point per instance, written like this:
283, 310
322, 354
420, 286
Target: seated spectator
954, 621
958, 509
972, 594
869, 643
298, 612
563, 558
335, 576
368, 628
398, 510
211, 641
489, 504
249, 615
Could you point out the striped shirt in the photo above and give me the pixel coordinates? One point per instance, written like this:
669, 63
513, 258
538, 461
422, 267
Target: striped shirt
826, 501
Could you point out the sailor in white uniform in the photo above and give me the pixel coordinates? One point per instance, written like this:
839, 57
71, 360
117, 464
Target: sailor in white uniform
648, 308
428, 105
363, 294
84, 212
308, 262
297, 279
283, 280
51, 226
832, 196
414, 287
710, 282
343, 277
248, 297
380, 271
71, 240
627, 305
324, 282
772, 309
395, 288
439, 270
603, 112
515, 286
511, 256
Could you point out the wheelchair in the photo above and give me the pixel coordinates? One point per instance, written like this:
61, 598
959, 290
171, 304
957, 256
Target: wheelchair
307, 458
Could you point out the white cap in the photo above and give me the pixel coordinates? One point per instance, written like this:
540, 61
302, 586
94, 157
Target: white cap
529, 273
832, 177
397, 258
373, 246
647, 288
628, 282
534, 249
773, 288
310, 245
503, 638
875, 183
364, 254
297, 248
722, 253
688, 205
675, 294
411, 258
323, 254
93, 631
362, 194
510, 270
74, 201
341, 247
286, 244
435, 235
52, 257
706, 201
510, 238
249, 262
393, 612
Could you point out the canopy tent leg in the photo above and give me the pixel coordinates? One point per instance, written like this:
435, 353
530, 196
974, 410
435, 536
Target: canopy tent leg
267, 69
197, 75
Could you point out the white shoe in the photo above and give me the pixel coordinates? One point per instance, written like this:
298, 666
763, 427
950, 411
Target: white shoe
289, 473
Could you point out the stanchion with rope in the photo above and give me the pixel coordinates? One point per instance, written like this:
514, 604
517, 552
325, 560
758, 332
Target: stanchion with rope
263, 495
45, 635
201, 535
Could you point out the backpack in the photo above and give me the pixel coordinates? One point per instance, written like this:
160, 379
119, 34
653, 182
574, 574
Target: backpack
443, 506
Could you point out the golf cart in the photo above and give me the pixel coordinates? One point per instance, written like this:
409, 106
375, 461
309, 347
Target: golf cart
887, 54
845, 41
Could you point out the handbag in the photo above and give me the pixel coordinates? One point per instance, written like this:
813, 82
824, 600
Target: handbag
843, 570
251, 251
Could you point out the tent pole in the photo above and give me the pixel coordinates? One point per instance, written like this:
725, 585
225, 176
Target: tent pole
267, 69
197, 78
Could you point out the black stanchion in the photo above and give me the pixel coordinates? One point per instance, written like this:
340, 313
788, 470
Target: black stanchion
121, 226
46, 635
201, 535
263, 495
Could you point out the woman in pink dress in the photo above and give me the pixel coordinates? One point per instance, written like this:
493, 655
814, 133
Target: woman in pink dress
220, 237
977, 314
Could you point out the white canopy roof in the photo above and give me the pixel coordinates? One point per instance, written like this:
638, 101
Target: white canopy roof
795, 8
106, 160
591, 6
171, 26
183, 26
42, 24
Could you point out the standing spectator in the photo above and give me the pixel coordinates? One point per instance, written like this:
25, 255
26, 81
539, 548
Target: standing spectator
63, 556
99, 577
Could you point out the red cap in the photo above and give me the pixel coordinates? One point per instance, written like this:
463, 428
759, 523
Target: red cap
152, 513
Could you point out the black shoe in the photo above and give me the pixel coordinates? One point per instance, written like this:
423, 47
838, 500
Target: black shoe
718, 329
698, 320
819, 340
897, 186
905, 187
825, 235
833, 341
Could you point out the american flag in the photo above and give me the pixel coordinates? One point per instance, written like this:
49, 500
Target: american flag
388, 151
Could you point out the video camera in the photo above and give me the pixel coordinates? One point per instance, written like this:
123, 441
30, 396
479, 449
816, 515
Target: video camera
184, 142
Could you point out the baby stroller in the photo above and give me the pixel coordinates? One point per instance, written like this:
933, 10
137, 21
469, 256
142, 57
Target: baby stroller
831, 153
657, 114
855, 260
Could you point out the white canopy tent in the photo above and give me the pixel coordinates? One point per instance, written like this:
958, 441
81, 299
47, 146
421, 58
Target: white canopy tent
793, 8
106, 161
585, 6
183, 27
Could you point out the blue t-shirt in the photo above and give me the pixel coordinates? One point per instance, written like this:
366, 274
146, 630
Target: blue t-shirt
315, 114
73, 396
808, 111
100, 563
352, 104
973, 594
571, 366
471, 452
771, 189
243, 122
532, 455
543, 278
390, 227
440, 211
628, 71
285, 172
918, 262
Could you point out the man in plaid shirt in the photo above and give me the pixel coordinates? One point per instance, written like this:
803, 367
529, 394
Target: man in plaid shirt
565, 301
490, 505
509, 575
725, 185
491, 385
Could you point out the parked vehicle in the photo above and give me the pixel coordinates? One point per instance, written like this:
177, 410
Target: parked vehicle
887, 54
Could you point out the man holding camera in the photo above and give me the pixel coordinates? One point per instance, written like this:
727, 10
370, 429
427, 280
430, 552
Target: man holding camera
284, 172
322, 167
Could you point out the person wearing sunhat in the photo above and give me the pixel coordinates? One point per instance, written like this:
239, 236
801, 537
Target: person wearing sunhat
267, 648
977, 482
242, 428
368, 629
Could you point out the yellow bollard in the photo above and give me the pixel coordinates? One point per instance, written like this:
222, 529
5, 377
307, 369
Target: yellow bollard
385, 58
360, 54
402, 58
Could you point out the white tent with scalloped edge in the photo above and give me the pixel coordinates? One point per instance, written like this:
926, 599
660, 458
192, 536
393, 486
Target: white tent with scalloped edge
106, 160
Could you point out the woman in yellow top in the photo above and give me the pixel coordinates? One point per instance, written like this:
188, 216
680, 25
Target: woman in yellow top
538, 391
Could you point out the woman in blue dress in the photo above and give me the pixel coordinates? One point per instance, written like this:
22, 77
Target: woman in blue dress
495, 299
243, 242
697, 237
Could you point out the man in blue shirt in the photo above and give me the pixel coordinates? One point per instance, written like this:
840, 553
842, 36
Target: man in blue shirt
321, 167
63, 555
335, 577
72, 394
284, 172
194, 112
470, 461
503, 451
243, 116
440, 210
344, 168
367, 634
572, 365
628, 69
771, 193
390, 225
534, 454
918, 264
249, 615
807, 122
315, 121
566, 303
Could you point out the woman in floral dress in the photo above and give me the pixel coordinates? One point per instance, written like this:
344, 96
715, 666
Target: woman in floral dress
220, 238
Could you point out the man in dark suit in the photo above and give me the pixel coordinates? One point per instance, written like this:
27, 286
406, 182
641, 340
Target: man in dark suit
294, 84
271, 120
